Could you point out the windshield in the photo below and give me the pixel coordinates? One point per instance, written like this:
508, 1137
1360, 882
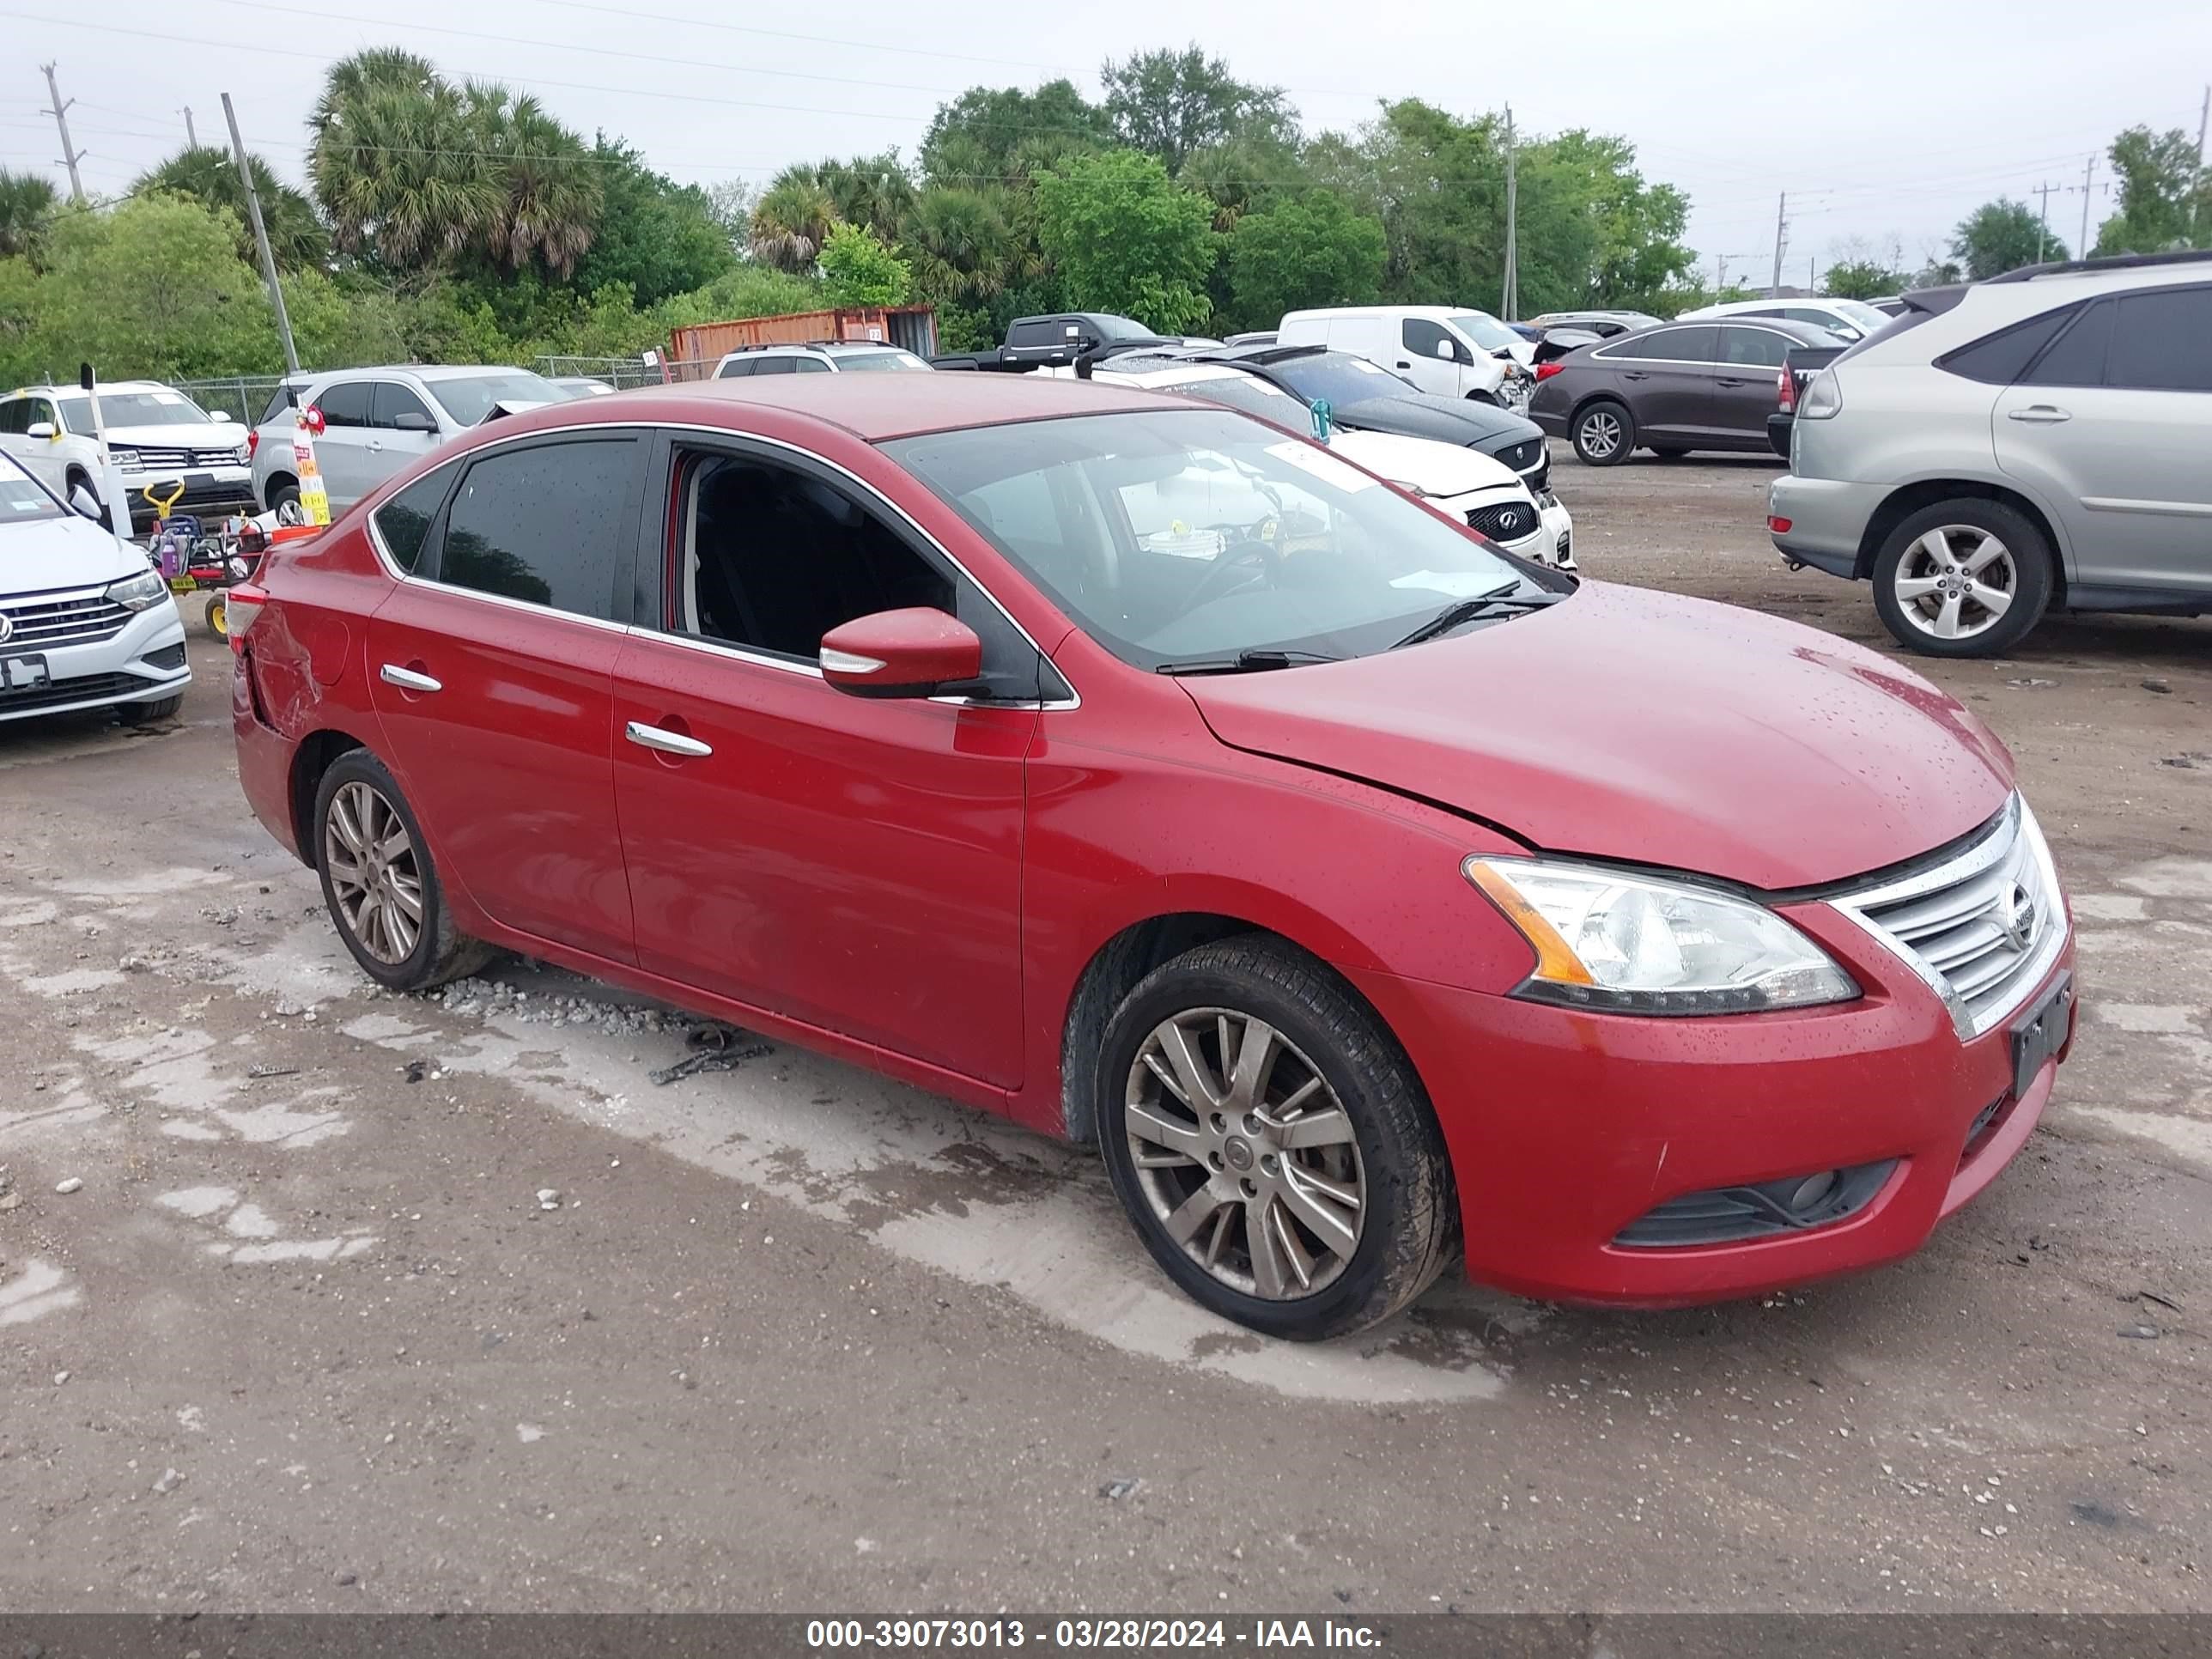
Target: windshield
132, 409
469, 398
1183, 537
865, 361
1484, 330
22, 500
1865, 316
1111, 327
1250, 393
1337, 377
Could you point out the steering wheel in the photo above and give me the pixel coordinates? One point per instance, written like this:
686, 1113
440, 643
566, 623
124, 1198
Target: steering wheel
1257, 558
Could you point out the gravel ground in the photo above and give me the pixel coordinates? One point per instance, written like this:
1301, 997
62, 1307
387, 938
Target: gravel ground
357, 1300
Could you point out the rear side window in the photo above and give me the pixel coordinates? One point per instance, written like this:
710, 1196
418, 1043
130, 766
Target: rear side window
808, 365
2162, 341
2077, 357
737, 369
550, 525
402, 524
1760, 348
2001, 358
282, 402
771, 366
344, 404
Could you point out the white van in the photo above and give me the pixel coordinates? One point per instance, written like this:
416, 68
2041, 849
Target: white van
1444, 349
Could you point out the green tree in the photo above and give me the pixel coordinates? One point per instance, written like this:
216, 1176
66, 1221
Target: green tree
1170, 104
2000, 236
549, 192
208, 175
2163, 204
992, 135
1127, 238
792, 220
858, 269
657, 236
873, 191
1862, 279
26, 209
1310, 250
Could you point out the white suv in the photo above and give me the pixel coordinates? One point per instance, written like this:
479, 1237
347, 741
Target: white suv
161, 439
833, 357
2039, 441
1850, 321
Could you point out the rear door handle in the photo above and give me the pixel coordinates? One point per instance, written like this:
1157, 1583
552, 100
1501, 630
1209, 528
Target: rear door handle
406, 678
1732, 383
1635, 375
668, 743
2039, 415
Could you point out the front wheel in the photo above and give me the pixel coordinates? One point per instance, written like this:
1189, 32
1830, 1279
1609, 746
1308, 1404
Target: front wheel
1965, 578
380, 882
1272, 1143
1604, 434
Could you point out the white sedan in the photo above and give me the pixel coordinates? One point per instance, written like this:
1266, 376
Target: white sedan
85, 622
1464, 483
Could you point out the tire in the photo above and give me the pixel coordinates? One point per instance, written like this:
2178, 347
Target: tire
1670, 454
218, 615
1370, 1131
1598, 444
1489, 397
415, 953
144, 714
1985, 547
283, 493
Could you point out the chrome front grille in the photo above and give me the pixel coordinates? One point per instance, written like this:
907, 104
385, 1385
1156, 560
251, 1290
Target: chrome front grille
1981, 927
67, 619
1503, 521
153, 458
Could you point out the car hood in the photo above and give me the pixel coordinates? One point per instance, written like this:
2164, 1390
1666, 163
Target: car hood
219, 435
1647, 728
1448, 420
1422, 464
69, 551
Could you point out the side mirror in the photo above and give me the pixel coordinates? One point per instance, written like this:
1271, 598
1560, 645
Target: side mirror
413, 420
901, 654
220, 415
82, 504
41, 429
1445, 350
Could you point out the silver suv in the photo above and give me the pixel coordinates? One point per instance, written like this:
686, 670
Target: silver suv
829, 356
2042, 440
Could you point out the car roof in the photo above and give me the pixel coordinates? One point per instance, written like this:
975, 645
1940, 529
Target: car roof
420, 370
51, 389
1806, 333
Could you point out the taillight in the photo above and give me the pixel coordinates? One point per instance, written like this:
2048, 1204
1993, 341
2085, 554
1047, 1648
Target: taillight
1785, 390
241, 604
252, 443
1544, 371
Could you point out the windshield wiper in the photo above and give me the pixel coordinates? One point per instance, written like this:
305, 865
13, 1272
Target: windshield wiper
1245, 662
1462, 611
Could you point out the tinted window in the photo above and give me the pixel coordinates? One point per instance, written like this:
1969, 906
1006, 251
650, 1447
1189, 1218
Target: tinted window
284, 401
1693, 345
772, 366
808, 365
2077, 357
1421, 337
15, 415
392, 400
1045, 333
2001, 358
345, 404
548, 524
403, 523
1752, 347
2162, 341
737, 369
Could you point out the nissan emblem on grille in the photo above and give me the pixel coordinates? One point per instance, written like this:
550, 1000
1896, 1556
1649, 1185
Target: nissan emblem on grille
2018, 919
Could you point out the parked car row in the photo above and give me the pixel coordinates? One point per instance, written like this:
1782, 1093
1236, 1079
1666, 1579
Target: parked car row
165, 445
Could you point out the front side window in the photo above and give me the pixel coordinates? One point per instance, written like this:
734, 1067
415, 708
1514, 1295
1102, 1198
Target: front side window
1198, 535
402, 524
391, 400
345, 404
1421, 337
809, 366
551, 525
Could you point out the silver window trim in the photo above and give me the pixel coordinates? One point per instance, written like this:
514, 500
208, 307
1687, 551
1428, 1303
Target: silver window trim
392, 567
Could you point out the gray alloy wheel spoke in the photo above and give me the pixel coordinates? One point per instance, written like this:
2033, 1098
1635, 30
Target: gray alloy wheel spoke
1951, 595
1243, 1153
373, 872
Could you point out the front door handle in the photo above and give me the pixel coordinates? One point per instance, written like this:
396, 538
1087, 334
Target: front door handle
2039, 415
376, 443
668, 743
406, 678
1635, 375
1402, 363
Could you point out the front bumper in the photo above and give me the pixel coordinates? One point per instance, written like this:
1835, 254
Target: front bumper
1566, 1127
208, 491
142, 663
1827, 520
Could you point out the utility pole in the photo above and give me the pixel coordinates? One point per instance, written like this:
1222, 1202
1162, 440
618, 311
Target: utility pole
261, 236
192, 133
1781, 240
1512, 296
2089, 171
1720, 275
2043, 221
2196, 180
70, 156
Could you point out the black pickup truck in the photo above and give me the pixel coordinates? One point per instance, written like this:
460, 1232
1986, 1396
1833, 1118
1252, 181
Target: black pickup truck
1799, 365
1057, 340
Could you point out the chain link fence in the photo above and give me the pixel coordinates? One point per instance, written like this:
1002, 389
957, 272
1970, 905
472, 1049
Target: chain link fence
623, 372
242, 396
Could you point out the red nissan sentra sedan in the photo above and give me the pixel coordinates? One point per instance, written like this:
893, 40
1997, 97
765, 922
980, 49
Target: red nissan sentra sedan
1147, 775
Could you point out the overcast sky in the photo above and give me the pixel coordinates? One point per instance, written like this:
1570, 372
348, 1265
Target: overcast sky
1881, 118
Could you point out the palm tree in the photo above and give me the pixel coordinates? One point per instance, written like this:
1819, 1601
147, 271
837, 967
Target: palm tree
792, 220
26, 208
375, 68
404, 175
960, 245
871, 191
552, 185
296, 235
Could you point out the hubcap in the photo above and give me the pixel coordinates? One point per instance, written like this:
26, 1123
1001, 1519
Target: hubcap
1956, 582
1601, 434
1245, 1154
373, 872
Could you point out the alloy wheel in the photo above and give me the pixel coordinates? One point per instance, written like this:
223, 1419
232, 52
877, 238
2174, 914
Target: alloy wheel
1601, 434
1955, 581
375, 876
1245, 1154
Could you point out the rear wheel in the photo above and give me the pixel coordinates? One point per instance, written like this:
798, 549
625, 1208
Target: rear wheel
1965, 578
1271, 1142
1604, 434
380, 884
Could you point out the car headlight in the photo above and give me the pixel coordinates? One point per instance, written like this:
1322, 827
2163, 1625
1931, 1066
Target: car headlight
1636, 944
138, 592
125, 459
